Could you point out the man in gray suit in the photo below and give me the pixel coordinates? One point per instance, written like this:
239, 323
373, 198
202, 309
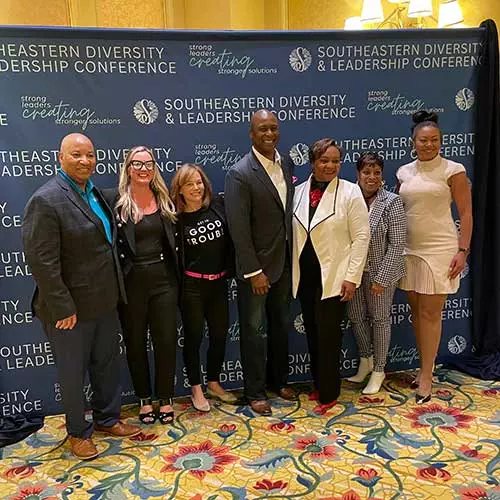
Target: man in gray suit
259, 193
69, 241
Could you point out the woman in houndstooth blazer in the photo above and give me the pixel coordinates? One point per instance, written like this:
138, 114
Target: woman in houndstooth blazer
369, 310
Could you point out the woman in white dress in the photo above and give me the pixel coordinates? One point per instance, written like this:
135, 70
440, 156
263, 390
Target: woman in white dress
435, 252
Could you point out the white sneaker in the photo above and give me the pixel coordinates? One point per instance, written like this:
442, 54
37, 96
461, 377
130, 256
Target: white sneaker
365, 368
375, 383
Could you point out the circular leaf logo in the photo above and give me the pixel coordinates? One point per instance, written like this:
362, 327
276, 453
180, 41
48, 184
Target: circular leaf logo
299, 324
300, 59
464, 99
145, 111
457, 344
299, 153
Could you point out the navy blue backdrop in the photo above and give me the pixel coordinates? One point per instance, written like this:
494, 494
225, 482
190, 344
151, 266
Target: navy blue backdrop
189, 96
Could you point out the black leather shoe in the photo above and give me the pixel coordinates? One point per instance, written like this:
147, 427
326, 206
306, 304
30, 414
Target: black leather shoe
261, 407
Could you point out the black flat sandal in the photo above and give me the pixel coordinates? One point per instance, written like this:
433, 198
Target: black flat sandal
166, 417
148, 418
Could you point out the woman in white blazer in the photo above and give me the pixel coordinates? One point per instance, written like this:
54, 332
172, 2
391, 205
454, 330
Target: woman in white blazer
331, 235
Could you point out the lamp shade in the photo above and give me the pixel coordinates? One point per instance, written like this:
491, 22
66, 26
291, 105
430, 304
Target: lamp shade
353, 23
420, 8
372, 11
450, 14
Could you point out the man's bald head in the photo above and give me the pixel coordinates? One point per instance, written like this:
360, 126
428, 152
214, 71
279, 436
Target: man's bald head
261, 114
77, 157
264, 132
68, 141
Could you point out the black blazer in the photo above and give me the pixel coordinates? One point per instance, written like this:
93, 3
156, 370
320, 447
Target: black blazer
126, 237
260, 227
75, 268
217, 206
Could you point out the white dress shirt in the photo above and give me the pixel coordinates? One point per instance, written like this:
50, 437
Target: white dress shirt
275, 173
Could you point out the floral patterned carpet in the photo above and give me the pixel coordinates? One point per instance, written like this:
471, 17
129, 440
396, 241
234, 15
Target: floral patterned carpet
366, 447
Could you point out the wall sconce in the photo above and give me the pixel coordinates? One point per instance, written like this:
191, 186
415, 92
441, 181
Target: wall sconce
450, 15
372, 12
353, 23
420, 8
407, 14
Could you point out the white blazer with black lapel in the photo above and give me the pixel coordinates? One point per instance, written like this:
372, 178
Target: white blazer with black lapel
259, 224
339, 232
388, 239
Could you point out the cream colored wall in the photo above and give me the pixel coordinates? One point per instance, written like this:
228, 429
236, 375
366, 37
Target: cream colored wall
46, 13
208, 14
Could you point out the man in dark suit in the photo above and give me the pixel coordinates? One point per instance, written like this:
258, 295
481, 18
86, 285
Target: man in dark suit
69, 241
259, 194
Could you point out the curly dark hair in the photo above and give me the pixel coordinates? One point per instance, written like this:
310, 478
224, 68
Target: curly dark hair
369, 157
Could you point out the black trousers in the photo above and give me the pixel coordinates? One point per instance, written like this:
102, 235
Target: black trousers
322, 320
92, 346
203, 299
152, 302
264, 351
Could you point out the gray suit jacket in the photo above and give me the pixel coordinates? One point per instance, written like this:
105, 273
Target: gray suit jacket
259, 225
74, 266
388, 239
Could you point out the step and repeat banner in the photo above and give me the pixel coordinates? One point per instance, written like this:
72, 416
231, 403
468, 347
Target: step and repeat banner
189, 96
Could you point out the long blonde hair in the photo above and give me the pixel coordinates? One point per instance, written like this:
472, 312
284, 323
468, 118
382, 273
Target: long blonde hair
181, 177
126, 208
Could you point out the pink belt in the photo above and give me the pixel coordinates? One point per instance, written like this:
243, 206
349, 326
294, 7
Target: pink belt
210, 277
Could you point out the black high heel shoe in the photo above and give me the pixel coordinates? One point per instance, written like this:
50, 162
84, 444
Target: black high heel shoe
148, 418
420, 400
166, 417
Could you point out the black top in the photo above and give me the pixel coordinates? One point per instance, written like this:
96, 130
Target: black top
204, 242
149, 238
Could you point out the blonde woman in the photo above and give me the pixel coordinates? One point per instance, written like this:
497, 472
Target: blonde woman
146, 246
205, 258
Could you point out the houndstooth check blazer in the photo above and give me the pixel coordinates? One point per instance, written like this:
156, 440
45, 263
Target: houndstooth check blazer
388, 239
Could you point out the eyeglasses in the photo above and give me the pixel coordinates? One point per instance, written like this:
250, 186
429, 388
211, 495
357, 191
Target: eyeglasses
137, 164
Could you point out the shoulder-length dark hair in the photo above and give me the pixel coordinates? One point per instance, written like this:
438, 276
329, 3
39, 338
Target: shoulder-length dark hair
181, 177
320, 146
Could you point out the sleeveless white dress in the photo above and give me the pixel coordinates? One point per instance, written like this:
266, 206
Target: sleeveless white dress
432, 238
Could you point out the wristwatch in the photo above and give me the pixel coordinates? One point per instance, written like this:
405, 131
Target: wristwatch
464, 250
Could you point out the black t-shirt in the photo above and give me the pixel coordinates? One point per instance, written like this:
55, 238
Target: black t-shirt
204, 242
149, 237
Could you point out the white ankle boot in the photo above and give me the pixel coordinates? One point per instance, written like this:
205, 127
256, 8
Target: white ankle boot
365, 367
375, 383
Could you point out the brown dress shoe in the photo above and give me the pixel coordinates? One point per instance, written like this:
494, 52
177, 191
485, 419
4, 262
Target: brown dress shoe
288, 393
119, 429
84, 449
261, 407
